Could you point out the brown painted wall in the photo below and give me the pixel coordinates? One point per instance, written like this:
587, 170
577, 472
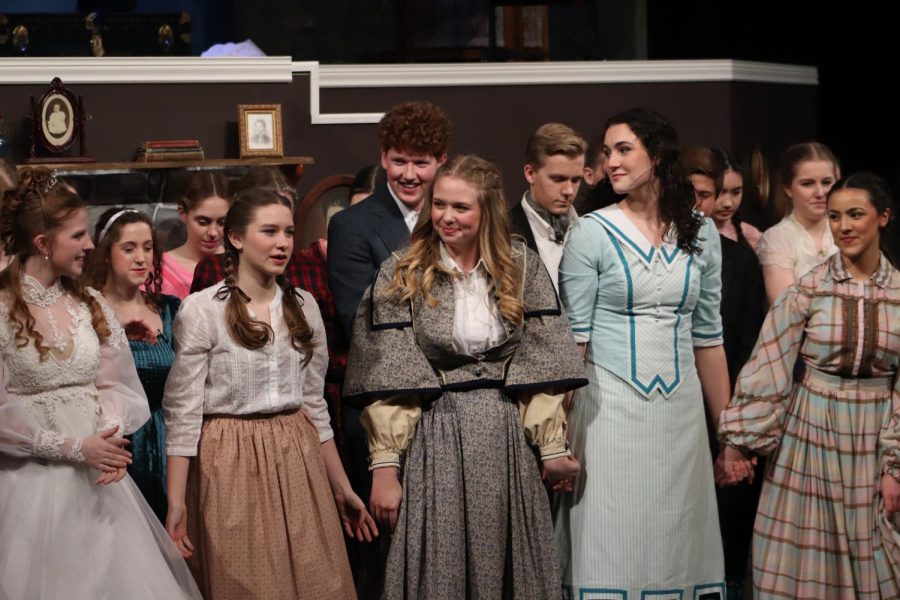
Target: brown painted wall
492, 121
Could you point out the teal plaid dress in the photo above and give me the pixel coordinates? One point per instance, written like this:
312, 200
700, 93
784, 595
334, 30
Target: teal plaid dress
148, 444
820, 530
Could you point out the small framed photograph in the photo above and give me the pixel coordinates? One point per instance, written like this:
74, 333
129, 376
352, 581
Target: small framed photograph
260, 130
57, 118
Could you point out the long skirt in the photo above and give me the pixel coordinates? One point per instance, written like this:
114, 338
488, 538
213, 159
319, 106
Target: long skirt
821, 531
261, 512
474, 521
62, 536
642, 522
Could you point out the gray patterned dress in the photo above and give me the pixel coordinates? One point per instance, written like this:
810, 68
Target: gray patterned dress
474, 520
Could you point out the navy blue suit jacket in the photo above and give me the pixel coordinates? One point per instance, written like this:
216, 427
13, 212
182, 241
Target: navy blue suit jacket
360, 238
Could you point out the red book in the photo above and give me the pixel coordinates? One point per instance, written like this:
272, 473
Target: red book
171, 144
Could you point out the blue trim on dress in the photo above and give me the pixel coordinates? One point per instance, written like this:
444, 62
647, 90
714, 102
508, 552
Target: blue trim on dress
701, 589
657, 379
707, 336
650, 594
623, 594
648, 257
581, 329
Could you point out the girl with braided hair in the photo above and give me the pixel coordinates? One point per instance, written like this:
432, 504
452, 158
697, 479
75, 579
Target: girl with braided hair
68, 393
253, 472
461, 356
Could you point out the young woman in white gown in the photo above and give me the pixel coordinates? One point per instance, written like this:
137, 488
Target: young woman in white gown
72, 523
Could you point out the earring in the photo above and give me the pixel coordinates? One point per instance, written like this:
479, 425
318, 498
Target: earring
47, 257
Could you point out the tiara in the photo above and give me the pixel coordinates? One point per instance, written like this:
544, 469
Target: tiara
48, 185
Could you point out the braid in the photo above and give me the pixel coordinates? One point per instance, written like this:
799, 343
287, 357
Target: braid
300, 332
245, 330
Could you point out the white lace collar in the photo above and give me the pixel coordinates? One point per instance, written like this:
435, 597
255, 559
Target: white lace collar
35, 293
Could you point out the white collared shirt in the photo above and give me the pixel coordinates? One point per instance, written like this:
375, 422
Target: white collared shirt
549, 249
409, 216
476, 324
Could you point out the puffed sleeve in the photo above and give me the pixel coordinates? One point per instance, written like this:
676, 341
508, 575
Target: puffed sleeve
579, 277
314, 405
123, 403
389, 425
889, 443
706, 319
21, 435
775, 248
185, 386
544, 421
754, 419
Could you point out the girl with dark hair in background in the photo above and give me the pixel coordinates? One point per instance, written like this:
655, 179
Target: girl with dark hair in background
72, 522
244, 397
644, 273
802, 239
728, 202
827, 520
461, 352
202, 209
125, 266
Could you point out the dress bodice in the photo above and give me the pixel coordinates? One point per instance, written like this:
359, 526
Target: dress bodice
661, 302
153, 361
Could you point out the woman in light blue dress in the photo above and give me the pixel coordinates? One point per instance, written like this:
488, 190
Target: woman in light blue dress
640, 280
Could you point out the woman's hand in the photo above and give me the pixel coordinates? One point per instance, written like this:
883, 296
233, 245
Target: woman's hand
561, 472
139, 331
386, 494
104, 452
357, 522
108, 477
176, 527
732, 467
890, 492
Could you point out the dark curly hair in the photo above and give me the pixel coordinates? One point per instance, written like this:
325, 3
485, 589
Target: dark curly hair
880, 196
96, 271
676, 195
417, 127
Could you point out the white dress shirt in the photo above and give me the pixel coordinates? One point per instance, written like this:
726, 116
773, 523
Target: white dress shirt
214, 375
476, 322
548, 248
409, 216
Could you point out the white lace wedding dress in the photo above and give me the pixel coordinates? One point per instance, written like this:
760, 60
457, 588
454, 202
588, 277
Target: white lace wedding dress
61, 534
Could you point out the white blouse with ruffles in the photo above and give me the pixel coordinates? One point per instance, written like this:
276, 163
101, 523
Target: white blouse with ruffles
214, 375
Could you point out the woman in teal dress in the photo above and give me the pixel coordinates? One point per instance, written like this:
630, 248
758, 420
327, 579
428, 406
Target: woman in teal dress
125, 266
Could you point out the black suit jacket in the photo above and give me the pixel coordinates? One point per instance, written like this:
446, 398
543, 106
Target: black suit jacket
743, 303
360, 238
519, 225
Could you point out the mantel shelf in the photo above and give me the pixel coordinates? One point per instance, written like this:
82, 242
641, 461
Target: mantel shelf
198, 165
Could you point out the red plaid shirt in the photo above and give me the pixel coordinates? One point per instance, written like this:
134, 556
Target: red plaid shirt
307, 270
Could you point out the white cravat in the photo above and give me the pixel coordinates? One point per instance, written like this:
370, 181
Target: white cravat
409, 216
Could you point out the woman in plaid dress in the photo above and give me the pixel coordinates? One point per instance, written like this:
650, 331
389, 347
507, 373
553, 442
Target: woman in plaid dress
825, 526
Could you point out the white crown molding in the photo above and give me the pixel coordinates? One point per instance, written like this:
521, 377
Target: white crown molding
562, 73
280, 69
150, 69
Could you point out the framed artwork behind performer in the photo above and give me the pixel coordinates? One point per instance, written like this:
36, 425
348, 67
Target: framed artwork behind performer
259, 126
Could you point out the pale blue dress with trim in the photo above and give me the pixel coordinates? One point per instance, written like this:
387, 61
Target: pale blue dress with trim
642, 522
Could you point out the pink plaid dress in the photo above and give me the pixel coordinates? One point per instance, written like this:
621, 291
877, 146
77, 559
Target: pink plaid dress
821, 531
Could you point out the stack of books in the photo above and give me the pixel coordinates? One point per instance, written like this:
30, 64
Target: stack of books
162, 150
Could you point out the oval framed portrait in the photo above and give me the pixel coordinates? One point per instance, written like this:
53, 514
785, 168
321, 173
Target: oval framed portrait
59, 118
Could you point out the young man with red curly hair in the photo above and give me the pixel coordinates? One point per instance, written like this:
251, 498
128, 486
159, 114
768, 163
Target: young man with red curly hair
414, 139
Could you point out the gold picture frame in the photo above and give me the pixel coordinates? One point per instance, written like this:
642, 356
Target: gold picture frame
259, 127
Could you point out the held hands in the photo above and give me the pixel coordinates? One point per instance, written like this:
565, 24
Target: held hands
357, 522
561, 472
176, 527
890, 493
386, 494
106, 453
732, 467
